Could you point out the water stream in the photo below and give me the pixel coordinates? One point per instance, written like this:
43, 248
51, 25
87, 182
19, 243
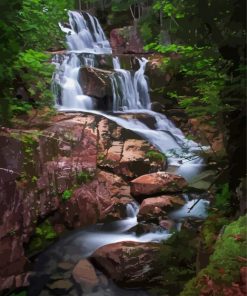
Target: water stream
86, 39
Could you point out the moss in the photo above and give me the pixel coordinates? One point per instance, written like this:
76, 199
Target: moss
67, 194
43, 236
83, 177
224, 266
211, 228
22, 293
155, 156
175, 262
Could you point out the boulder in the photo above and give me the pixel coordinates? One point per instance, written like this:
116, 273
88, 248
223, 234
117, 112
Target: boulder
104, 198
153, 208
60, 287
85, 275
123, 154
156, 183
97, 83
127, 263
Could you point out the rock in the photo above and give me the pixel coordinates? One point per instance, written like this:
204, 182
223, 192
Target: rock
60, 287
102, 199
126, 40
155, 183
154, 207
85, 275
203, 180
142, 228
127, 263
243, 276
167, 224
124, 155
65, 266
96, 83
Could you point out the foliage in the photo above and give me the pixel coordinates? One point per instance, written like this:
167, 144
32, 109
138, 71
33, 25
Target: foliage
225, 263
222, 199
35, 71
176, 262
155, 156
27, 29
204, 74
67, 194
39, 23
22, 293
44, 234
83, 177
18, 107
211, 228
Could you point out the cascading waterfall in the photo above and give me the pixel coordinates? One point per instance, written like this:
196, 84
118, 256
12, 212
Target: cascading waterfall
130, 92
86, 39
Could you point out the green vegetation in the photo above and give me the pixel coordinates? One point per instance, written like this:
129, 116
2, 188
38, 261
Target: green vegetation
28, 29
67, 194
225, 263
43, 236
155, 156
22, 293
176, 262
83, 177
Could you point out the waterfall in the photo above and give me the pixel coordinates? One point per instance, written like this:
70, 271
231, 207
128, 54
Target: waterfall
86, 41
130, 92
85, 34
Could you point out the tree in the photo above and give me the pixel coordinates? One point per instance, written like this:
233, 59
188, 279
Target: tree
209, 36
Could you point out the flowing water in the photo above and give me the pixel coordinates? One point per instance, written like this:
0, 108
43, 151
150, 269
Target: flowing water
86, 40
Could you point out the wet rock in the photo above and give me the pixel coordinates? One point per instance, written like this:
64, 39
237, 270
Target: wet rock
154, 207
125, 157
142, 228
60, 275
60, 287
155, 183
65, 266
96, 82
127, 263
85, 275
203, 180
167, 224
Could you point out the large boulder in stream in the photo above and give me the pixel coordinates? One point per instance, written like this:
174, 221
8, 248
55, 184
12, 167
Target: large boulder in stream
156, 183
97, 83
102, 199
127, 263
156, 208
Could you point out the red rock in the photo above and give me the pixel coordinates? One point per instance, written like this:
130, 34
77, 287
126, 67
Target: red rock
85, 275
155, 183
96, 201
155, 207
128, 263
167, 224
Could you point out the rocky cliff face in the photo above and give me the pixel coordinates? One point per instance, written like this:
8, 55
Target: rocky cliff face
75, 170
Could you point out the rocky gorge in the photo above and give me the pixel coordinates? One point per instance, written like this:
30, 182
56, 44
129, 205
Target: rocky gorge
90, 194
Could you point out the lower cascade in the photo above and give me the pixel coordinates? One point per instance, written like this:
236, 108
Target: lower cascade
88, 47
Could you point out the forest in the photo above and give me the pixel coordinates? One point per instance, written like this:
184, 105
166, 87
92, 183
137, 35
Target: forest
123, 148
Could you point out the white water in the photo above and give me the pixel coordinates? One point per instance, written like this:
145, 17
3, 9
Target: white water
85, 34
85, 38
130, 92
